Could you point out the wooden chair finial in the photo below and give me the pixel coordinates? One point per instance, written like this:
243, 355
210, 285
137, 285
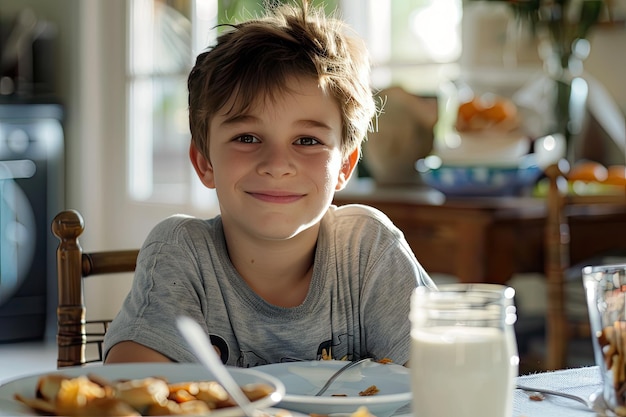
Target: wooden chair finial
71, 334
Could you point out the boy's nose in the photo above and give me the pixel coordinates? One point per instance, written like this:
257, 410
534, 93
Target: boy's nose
276, 162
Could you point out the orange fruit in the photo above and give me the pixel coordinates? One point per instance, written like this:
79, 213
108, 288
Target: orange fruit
486, 111
469, 109
501, 109
616, 175
588, 171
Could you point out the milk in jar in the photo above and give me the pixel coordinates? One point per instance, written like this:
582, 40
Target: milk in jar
463, 351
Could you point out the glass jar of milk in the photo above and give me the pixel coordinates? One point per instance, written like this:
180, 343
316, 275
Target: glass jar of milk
464, 358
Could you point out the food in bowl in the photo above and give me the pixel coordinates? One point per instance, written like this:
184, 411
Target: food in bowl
486, 130
57, 394
487, 112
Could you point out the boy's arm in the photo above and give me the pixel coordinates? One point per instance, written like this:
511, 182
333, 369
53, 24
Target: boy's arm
128, 351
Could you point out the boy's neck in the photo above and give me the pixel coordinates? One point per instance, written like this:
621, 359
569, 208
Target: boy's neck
279, 272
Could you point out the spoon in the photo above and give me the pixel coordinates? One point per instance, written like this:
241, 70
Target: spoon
204, 351
581, 400
339, 372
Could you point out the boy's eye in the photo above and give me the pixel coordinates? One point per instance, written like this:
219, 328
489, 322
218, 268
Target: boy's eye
307, 141
246, 139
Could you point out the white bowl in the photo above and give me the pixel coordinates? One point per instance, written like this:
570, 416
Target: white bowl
174, 372
482, 148
304, 379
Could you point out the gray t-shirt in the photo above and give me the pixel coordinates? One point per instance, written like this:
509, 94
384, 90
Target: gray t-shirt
357, 304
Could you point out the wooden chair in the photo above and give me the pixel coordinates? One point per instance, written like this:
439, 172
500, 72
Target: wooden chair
566, 253
73, 265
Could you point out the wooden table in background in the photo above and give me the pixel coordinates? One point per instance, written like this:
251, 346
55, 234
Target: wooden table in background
483, 239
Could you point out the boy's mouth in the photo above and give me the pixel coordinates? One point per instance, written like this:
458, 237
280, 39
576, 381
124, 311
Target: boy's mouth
276, 196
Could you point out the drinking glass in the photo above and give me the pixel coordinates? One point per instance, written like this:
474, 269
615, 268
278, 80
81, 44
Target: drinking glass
605, 287
464, 358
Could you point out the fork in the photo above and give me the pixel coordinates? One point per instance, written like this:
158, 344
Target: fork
581, 400
339, 372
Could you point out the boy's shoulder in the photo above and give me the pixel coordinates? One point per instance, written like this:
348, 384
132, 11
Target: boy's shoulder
181, 223
361, 223
359, 213
176, 220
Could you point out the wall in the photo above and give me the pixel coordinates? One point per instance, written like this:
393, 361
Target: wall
607, 61
85, 68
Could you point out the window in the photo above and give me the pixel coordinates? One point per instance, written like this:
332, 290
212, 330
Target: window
167, 35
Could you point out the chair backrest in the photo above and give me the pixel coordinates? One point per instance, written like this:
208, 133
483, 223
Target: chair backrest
73, 265
564, 249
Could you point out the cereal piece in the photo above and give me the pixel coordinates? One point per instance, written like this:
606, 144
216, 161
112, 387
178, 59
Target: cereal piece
168, 408
371, 390
214, 395
37, 404
194, 408
181, 396
612, 339
191, 387
140, 393
106, 407
75, 394
620, 411
362, 412
49, 385
257, 391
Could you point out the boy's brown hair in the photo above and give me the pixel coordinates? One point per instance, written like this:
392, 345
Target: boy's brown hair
257, 57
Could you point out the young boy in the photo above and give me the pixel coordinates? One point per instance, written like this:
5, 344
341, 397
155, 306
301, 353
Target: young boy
278, 110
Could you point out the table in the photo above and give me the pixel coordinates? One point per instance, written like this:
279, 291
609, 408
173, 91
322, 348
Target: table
483, 239
578, 381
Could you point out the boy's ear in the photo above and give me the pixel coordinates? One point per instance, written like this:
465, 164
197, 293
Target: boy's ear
203, 167
347, 169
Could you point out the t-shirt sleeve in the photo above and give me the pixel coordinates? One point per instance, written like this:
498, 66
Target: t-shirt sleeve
166, 285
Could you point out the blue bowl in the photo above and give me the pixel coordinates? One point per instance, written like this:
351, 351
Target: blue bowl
453, 180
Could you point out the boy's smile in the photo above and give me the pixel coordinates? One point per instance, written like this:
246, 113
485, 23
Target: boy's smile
276, 196
276, 167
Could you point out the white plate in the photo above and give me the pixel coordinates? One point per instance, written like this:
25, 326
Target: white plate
174, 372
304, 379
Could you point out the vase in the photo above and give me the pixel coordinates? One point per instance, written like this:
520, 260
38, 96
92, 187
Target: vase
564, 46
568, 92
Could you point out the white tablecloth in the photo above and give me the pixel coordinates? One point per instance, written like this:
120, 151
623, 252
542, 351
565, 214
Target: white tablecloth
579, 381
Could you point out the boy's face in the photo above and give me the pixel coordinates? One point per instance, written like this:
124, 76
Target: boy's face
276, 167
